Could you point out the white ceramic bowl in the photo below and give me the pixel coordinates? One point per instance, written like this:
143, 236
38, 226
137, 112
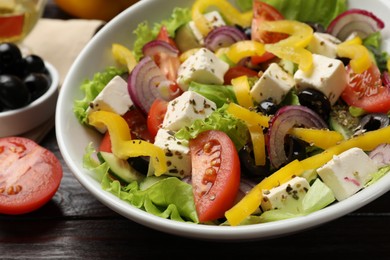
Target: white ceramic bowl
73, 138
21, 120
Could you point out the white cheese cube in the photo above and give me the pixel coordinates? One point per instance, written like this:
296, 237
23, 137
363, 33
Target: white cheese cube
347, 172
178, 155
286, 196
215, 20
275, 83
328, 76
113, 98
185, 109
203, 67
324, 44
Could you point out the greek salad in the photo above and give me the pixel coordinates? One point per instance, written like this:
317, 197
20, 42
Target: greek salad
244, 113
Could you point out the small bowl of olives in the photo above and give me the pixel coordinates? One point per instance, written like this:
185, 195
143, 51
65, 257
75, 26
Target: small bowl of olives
28, 91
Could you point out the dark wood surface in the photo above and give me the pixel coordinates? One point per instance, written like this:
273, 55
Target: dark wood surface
74, 225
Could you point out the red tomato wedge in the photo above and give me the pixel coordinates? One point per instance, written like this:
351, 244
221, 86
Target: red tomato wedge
138, 125
30, 175
366, 91
156, 116
105, 144
215, 174
238, 71
264, 12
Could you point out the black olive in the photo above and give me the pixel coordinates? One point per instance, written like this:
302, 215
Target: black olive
10, 59
316, 101
13, 93
375, 121
295, 148
248, 166
267, 107
140, 164
37, 84
317, 27
33, 64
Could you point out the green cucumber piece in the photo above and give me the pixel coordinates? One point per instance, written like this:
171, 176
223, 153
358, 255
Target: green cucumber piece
119, 168
185, 38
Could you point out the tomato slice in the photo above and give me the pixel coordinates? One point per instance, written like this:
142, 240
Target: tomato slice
264, 12
156, 116
365, 90
215, 174
138, 125
105, 144
238, 71
30, 175
163, 35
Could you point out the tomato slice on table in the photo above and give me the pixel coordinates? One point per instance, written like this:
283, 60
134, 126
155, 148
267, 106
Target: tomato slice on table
264, 12
156, 116
215, 174
30, 175
365, 90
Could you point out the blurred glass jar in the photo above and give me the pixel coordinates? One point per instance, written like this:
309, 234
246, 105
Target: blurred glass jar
94, 9
18, 18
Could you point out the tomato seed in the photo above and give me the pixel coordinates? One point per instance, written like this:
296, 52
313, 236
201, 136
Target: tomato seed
207, 147
2, 190
216, 162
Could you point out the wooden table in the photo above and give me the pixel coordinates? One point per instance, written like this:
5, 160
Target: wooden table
74, 225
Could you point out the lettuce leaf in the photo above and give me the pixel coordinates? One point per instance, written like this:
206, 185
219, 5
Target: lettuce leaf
320, 11
145, 33
219, 94
91, 88
218, 120
168, 198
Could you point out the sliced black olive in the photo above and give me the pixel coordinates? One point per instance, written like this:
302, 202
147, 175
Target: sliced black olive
316, 101
295, 148
140, 164
13, 92
375, 121
317, 27
248, 166
267, 107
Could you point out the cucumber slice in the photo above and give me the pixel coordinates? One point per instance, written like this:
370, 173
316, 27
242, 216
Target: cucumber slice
121, 169
185, 38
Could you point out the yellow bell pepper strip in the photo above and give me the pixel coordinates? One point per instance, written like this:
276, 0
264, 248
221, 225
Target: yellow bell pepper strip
228, 11
358, 53
250, 203
241, 89
322, 138
185, 55
123, 56
122, 145
255, 123
247, 205
242, 49
293, 47
388, 64
248, 116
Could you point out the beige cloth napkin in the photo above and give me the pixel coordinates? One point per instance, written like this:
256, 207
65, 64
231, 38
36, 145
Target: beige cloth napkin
58, 42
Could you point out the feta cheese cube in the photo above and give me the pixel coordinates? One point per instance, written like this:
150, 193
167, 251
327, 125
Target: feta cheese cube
288, 195
328, 76
178, 155
185, 109
275, 83
113, 98
215, 20
203, 67
324, 44
347, 172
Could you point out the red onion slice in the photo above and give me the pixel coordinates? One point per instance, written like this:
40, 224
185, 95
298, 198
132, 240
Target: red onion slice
381, 155
143, 83
223, 36
286, 118
155, 47
386, 79
355, 20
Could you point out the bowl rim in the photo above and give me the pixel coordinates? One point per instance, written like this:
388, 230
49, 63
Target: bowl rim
204, 232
